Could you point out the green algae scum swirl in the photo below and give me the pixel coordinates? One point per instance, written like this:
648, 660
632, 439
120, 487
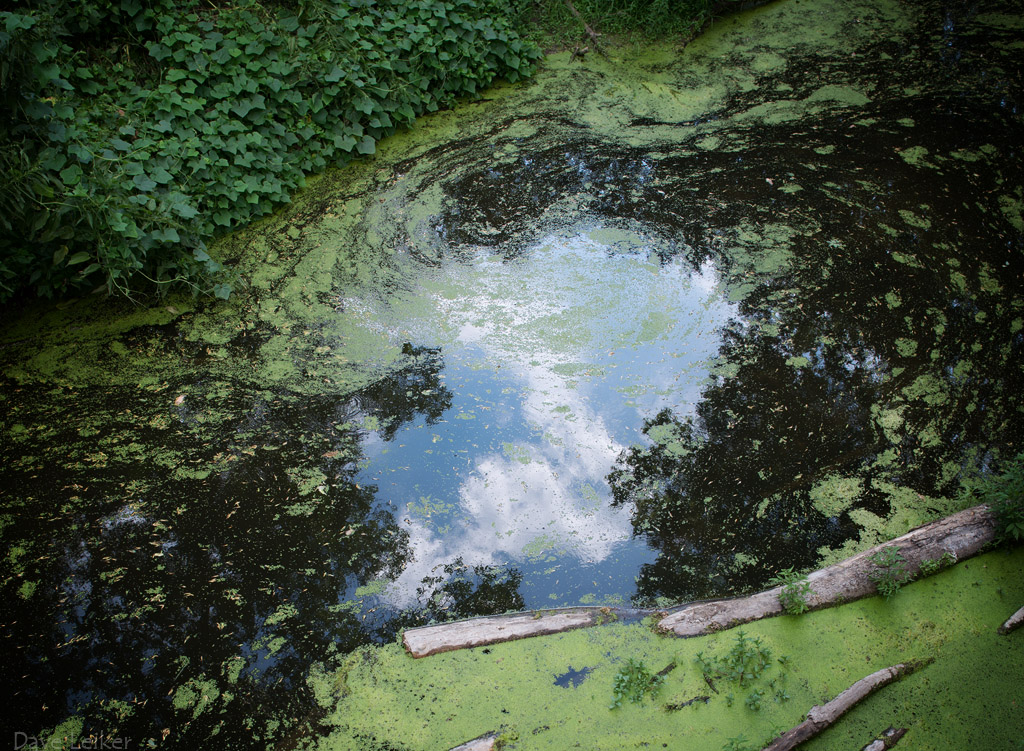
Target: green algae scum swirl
641, 330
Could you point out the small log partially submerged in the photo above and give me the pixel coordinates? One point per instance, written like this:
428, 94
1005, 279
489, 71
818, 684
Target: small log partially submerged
688, 702
961, 535
887, 740
485, 742
820, 718
478, 632
1014, 622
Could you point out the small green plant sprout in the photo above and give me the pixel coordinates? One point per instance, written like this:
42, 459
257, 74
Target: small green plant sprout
1005, 495
706, 667
739, 743
795, 591
747, 659
753, 701
633, 682
890, 571
743, 664
931, 566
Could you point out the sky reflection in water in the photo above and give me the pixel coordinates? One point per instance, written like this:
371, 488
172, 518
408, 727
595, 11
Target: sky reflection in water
554, 358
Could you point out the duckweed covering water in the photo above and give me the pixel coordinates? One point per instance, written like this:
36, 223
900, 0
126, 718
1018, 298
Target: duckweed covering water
382, 698
643, 329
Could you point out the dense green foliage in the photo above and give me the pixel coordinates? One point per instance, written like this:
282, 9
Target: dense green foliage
890, 572
746, 663
1005, 494
132, 132
795, 591
743, 664
633, 682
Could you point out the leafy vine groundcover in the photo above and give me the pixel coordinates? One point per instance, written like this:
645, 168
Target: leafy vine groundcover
133, 133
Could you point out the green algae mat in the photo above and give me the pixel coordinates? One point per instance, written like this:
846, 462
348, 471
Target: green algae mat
641, 330
556, 691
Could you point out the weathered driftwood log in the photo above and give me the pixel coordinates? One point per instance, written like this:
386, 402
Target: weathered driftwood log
477, 632
822, 717
961, 535
887, 740
483, 743
1015, 621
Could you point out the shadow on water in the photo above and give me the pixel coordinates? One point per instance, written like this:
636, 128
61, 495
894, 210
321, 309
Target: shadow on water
204, 560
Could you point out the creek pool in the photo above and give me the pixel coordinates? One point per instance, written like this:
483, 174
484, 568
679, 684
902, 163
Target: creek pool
552, 359
641, 330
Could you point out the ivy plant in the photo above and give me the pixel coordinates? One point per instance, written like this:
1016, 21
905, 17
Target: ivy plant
132, 134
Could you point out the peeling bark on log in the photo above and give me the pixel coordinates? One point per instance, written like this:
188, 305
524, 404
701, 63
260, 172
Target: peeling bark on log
820, 718
1014, 622
483, 743
478, 632
887, 740
963, 535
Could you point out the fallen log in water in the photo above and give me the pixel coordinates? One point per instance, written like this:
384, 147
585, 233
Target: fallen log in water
1014, 622
961, 535
478, 632
822, 717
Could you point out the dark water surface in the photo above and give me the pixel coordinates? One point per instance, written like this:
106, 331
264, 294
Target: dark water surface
641, 331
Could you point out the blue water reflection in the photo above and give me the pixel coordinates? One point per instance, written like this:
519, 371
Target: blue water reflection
554, 358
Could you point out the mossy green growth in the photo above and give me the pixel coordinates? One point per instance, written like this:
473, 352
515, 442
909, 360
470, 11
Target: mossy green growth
197, 695
65, 735
382, 696
833, 495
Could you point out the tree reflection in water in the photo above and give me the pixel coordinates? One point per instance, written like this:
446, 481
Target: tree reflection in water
216, 574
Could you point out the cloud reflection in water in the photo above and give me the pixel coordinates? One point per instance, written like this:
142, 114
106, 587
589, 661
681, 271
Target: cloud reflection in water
555, 357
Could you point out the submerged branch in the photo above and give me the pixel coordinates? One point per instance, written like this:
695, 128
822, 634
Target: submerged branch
820, 718
887, 740
1014, 622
